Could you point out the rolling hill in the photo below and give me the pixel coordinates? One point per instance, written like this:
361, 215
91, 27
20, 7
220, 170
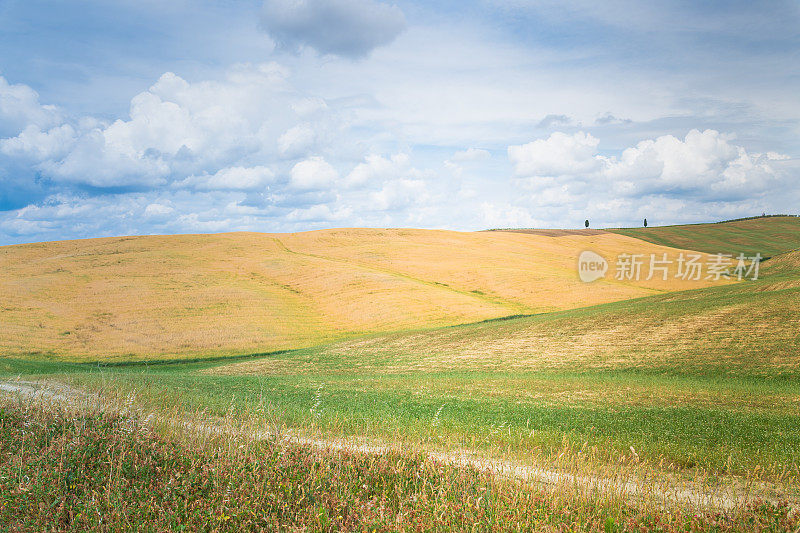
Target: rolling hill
209, 295
623, 380
748, 328
703, 380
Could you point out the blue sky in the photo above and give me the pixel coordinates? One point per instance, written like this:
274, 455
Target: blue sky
138, 117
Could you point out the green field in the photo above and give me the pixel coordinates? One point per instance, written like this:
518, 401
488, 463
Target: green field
699, 386
768, 236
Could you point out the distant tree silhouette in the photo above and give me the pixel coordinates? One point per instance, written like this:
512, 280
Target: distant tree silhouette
586, 223
645, 223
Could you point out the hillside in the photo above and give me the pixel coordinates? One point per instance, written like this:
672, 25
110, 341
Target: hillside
698, 385
749, 328
701, 381
205, 295
765, 235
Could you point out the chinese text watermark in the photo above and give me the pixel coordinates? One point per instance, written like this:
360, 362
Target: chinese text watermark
683, 266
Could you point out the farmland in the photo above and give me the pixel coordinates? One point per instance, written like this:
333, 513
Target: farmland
696, 388
235, 294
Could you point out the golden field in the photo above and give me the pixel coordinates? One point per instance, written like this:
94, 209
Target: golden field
238, 293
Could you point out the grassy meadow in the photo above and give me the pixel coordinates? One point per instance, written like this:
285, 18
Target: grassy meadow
92, 470
666, 388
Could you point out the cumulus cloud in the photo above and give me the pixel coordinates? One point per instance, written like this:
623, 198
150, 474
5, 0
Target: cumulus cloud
35, 144
248, 151
174, 129
378, 168
559, 155
313, 173
703, 176
96, 161
351, 28
705, 163
20, 108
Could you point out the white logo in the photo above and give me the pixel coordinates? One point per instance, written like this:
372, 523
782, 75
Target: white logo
591, 266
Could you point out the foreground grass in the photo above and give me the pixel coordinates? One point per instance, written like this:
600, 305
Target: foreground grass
67, 470
681, 427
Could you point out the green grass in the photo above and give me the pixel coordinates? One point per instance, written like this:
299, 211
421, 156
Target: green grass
729, 435
111, 472
768, 236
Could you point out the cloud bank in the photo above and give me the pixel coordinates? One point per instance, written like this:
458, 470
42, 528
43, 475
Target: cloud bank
249, 151
704, 164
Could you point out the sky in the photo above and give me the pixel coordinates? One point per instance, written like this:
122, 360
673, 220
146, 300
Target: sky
138, 117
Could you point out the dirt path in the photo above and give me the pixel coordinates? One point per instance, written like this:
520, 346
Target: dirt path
723, 498
38, 390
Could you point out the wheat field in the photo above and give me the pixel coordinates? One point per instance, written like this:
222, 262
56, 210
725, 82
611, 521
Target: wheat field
240, 293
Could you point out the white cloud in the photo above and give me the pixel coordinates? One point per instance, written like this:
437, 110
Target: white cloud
156, 210
399, 194
20, 108
297, 141
560, 154
318, 213
38, 145
705, 162
176, 131
702, 161
232, 179
507, 216
313, 173
350, 28
97, 162
378, 168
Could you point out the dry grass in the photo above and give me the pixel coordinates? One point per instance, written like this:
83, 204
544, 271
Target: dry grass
751, 327
191, 295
